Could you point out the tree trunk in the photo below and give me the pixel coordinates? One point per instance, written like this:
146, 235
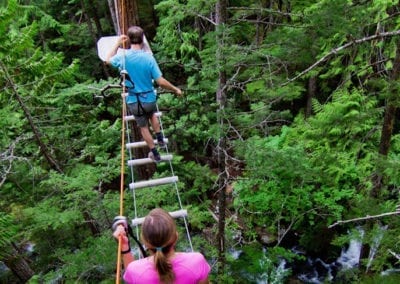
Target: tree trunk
88, 22
95, 16
270, 25
144, 172
93, 33
127, 15
113, 14
18, 265
311, 90
260, 27
221, 18
151, 27
388, 123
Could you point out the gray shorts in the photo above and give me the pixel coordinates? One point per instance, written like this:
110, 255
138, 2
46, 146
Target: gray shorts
142, 114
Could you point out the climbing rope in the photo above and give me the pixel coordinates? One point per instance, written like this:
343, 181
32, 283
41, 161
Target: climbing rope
122, 180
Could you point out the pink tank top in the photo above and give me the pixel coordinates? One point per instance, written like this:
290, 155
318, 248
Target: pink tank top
188, 268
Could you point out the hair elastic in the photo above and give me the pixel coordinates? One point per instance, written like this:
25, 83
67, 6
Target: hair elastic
159, 248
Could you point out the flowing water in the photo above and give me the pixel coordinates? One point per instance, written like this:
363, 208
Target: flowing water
255, 266
317, 271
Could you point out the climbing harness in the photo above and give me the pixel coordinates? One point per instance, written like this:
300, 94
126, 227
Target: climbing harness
141, 111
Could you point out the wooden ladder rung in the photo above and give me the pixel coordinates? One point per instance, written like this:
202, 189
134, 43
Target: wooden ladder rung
142, 144
174, 214
145, 161
132, 117
153, 182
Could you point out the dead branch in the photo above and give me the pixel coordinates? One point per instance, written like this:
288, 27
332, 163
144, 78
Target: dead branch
394, 254
213, 215
340, 48
7, 157
264, 10
368, 217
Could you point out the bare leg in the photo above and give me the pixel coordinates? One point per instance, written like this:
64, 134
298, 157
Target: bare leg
155, 123
147, 136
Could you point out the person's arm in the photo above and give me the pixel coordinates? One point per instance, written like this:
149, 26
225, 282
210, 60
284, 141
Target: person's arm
163, 83
127, 256
203, 268
114, 50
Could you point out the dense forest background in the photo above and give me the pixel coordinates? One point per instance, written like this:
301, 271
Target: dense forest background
286, 142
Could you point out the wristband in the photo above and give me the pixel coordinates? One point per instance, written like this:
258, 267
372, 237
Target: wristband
126, 251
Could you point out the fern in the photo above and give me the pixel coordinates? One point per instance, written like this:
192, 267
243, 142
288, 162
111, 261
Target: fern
8, 232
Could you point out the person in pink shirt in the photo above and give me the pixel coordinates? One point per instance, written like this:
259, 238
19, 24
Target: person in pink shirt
164, 265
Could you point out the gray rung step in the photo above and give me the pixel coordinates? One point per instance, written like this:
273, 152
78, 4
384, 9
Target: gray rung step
145, 161
174, 214
153, 182
132, 117
142, 144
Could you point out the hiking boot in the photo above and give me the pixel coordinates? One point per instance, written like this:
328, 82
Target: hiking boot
155, 157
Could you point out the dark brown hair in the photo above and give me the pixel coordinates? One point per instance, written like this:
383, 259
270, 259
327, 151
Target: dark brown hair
135, 35
159, 234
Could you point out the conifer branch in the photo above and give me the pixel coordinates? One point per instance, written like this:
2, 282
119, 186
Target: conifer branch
206, 19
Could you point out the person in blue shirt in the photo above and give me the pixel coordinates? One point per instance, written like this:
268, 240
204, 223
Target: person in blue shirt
142, 69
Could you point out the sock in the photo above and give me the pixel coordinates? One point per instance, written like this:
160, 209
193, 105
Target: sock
159, 136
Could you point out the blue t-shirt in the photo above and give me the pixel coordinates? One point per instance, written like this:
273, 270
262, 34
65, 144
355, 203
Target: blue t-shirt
142, 69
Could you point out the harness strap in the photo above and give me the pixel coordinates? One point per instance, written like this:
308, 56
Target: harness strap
142, 250
141, 111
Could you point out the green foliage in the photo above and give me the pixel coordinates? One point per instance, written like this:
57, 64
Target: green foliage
342, 136
290, 181
283, 190
53, 208
199, 219
91, 263
188, 121
198, 180
8, 231
179, 39
311, 172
